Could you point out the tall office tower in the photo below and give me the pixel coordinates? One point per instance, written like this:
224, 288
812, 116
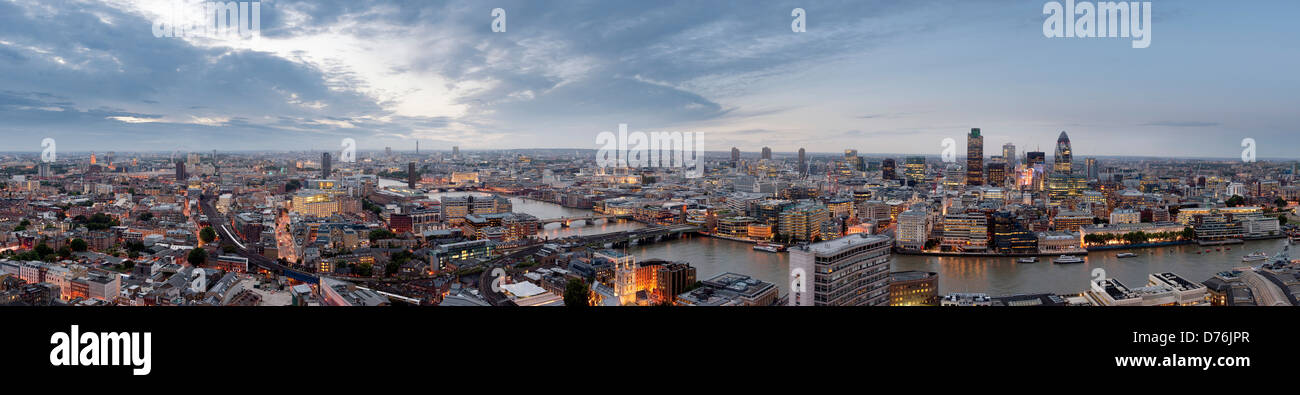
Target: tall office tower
997, 173
1009, 154
388, 152
92, 159
974, 158
887, 169
848, 271
1063, 162
325, 165
767, 153
854, 161
803, 162
1035, 158
455, 152
735, 157
411, 175
44, 171
624, 275
180, 171
1093, 172
417, 147
914, 168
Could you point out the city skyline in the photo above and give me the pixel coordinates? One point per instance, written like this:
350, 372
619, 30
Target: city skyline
932, 70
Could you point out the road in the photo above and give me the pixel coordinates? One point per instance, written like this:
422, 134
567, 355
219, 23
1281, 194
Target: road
222, 225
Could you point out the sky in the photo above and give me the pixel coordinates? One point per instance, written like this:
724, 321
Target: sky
876, 76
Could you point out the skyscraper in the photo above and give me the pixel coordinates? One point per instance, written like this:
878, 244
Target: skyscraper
325, 165
1009, 154
1035, 158
1063, 162
803, 162
455, 152
180, 171
735, 157
914, 168
411, 175
767, 153
974, 158
887, 169
1093, 172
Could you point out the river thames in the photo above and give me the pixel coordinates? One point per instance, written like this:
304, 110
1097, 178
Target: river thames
994, 276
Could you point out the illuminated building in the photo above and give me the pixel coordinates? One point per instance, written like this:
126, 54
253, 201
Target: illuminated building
1063, 162
913, 288
760, 232
767, 153
1009, 154
965, 232
803, 222
624, 275
914, 168
1071, 221
461, 177
997, 173
315, 203
803, 162
913, 229
455, 208
325, 165
848, 271
974, 158
735, 226
731, 289
887, 169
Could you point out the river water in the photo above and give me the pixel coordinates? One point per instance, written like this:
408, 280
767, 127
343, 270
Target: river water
994, 276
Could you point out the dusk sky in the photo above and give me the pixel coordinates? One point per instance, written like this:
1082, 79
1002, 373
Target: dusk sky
876, 76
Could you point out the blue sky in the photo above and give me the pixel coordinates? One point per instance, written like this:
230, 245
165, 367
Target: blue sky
877, 76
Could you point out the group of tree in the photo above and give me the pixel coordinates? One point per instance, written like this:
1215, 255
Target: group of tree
207, 234
98, 221
1140, 237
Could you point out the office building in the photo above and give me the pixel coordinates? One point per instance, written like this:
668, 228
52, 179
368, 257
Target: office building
848, 271
974, 158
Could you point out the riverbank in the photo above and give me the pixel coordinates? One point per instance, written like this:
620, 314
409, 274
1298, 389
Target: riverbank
987, 254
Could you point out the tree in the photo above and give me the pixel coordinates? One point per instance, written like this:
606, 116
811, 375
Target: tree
576, 293
43, 250
380, 234
78, 245
145, 216
65, 252
207, 234
1235, 200
197, 257
1280, 202
1281, 219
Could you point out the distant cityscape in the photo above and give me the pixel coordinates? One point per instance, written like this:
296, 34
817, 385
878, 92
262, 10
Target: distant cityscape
551, 228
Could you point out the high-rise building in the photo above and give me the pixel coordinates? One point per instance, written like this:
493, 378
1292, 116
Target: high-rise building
455, 152
325, 165
854, 161
180, 171
914, 168
803, 221
1009, 154
848, 271
974, 158
887, 169
735, 157
1093, 172
767, 153
1063, 162
803, 162
997, 173
1035, 158
411, 175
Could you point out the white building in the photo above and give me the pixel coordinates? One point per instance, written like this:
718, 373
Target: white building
848, 271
